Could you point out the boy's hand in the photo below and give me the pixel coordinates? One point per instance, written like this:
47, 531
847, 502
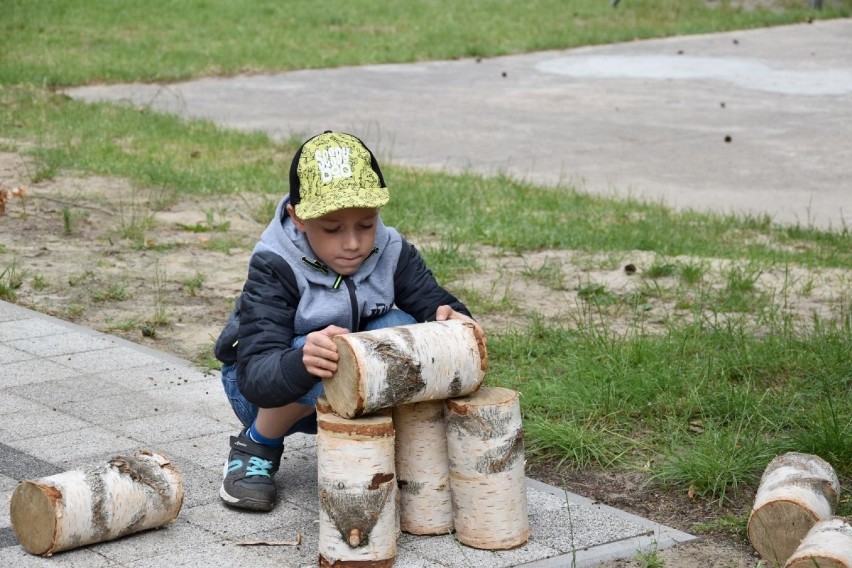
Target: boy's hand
444, 313
320, 353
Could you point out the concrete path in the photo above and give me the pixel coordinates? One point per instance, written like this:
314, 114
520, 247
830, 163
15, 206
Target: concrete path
756, 122
71, 398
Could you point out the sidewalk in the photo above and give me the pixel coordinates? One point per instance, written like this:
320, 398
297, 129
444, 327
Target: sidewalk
71, 398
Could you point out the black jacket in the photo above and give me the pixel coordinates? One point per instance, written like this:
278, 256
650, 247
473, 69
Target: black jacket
269, 312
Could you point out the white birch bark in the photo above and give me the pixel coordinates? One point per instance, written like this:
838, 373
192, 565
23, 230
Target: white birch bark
485, 444
359, 502
827, 545
422, 468
405, 364
76, 508
796, 491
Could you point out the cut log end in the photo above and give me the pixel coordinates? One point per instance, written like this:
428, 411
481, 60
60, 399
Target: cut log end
32, 516
777, 528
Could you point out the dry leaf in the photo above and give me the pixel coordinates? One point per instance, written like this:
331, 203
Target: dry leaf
691, 492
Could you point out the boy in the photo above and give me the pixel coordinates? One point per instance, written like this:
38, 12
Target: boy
325, 265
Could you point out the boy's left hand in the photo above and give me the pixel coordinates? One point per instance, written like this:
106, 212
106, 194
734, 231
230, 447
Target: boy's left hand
444, 313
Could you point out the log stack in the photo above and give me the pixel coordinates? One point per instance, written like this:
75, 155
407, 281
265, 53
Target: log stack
407, 404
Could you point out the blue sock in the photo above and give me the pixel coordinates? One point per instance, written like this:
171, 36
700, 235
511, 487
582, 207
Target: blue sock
261, 439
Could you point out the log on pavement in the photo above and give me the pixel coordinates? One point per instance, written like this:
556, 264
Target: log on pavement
76, 508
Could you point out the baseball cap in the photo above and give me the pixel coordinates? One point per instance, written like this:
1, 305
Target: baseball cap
333, 171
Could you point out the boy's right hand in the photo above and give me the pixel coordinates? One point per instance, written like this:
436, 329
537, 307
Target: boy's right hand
320, 353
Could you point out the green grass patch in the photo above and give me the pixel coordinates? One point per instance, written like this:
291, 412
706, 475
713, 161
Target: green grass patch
56, 42
707, 406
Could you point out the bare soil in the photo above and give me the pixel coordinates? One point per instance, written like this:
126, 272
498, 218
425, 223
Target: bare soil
69, 242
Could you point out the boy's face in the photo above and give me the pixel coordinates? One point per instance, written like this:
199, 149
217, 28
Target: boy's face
341, 239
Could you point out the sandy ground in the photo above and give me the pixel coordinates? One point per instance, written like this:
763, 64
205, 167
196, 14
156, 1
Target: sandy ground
77, 247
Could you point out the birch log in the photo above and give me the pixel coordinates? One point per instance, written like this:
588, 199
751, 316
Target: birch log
359, 509
796, 491
827, 545
400, 365
76, 508
422, 468
485, 444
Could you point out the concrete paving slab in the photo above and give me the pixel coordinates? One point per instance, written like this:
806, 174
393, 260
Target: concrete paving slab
153, 400
748, 122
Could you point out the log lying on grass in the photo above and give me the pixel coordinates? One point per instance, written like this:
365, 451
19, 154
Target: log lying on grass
359, 525
405, 364
827, 545
76, 508
796, 491
422, 468
485, 443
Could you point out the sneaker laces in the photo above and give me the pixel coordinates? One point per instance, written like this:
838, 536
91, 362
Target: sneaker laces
258, 466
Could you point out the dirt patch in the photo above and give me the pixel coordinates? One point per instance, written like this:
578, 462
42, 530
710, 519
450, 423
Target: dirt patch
165, 272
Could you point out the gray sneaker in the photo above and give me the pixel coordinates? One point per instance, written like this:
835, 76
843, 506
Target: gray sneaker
249, 481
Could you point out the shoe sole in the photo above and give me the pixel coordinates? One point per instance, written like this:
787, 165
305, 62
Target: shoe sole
250, 504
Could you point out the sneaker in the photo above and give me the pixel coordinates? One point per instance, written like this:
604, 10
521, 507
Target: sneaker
248, 476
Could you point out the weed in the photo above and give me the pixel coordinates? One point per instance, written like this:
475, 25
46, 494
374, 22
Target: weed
650, 559
78, 278
265, 211
692, 273
39, 282
209, 226
739, 294
596, 294
223, 244
74, 310
661, 269
205, 359
447, 261
10, 280
550, 274
160, 315
735, 526
67, 228
114, 292
193, 284
126, 325
135, 220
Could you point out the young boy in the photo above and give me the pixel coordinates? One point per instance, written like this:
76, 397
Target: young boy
325, 265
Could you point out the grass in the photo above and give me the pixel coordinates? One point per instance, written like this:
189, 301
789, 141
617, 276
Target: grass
594, 398
707, 400
55, 42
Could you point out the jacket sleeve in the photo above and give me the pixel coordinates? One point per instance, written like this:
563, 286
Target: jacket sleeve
415, 289
270, 372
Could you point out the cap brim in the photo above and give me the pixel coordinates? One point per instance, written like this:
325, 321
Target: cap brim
338, 199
